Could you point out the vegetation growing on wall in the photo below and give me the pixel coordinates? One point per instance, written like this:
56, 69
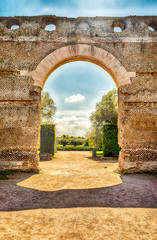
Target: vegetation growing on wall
47, 138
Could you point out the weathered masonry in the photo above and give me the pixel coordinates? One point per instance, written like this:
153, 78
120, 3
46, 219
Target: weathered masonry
29, 54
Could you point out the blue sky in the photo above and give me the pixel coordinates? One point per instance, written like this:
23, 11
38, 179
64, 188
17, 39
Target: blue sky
76, 87
75, 8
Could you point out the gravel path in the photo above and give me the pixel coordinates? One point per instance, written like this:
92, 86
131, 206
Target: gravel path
76, 197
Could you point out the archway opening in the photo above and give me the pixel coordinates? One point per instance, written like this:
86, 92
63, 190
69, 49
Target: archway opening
88, 53
77, 88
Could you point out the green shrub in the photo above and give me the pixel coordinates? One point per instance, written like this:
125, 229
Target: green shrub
64, 140
47, 138
73, 148
110, 145
86, 144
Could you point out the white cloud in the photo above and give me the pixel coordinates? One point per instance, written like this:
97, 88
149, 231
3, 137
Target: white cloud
47, 10
73, 125
75, 98
78, 113
83, 107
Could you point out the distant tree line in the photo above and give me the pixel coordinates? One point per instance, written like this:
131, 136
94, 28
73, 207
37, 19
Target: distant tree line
71, 140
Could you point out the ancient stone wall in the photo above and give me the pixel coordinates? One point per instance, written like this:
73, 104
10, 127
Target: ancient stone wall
29, 54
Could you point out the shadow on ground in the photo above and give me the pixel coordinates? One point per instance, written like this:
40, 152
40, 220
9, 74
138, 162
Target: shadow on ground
136, 190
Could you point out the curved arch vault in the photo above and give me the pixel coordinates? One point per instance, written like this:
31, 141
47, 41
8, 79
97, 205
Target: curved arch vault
30, 54
80, 52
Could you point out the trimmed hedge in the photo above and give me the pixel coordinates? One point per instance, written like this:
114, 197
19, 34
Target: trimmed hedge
110, 145
73, 148
47, 138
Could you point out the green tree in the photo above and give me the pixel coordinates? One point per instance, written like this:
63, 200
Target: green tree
64, 136
71, 140
106, 112
48, 108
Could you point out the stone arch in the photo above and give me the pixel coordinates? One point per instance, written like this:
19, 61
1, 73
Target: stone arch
20, 84
80, 52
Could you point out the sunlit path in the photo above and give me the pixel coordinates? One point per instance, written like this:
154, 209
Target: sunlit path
73, 170
76, 197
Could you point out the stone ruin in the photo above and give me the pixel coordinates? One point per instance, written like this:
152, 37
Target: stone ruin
29, 54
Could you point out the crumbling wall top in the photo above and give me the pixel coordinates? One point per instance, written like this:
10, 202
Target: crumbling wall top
33, 28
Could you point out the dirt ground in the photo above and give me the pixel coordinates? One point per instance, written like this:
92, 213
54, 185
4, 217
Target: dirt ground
78, 198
